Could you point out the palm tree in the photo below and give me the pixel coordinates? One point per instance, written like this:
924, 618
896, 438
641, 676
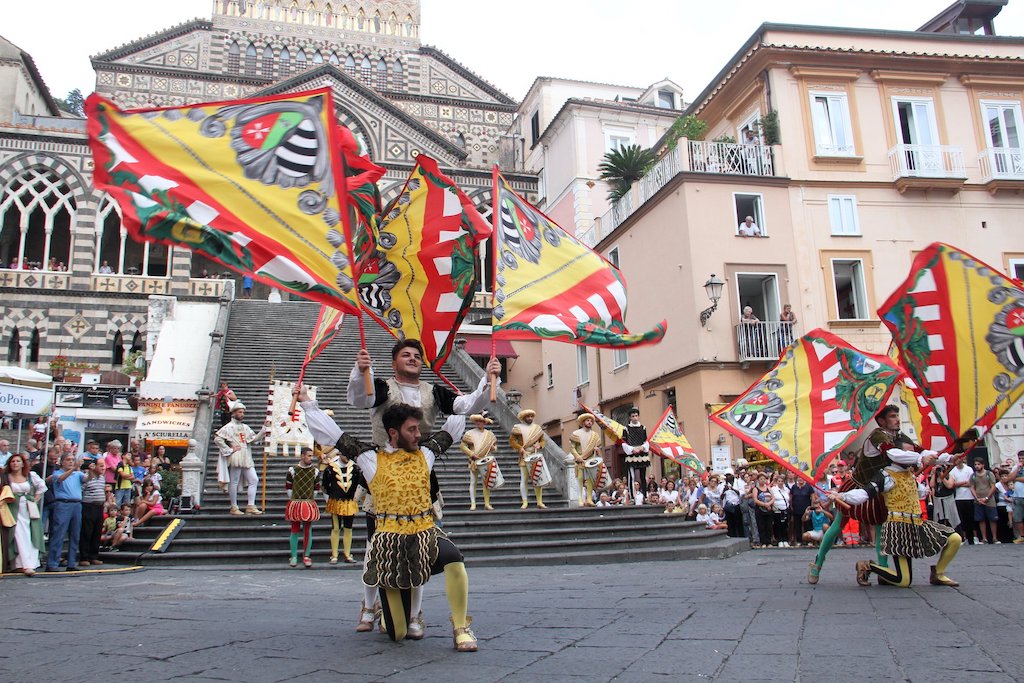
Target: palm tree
624, 166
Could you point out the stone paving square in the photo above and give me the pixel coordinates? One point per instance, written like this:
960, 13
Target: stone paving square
748, 618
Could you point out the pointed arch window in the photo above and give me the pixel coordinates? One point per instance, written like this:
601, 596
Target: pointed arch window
250, 60
37, 210
267, 67
318, 58
117, 357
233, 57
350, 65
365, 70
118, 254
380, 78
14, 347
333, 59
300, 60
285, 62
398, 74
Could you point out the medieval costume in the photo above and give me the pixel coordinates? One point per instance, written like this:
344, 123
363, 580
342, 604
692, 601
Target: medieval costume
479, 446
636, 449
22, 528
432, 399
591, 472
341, 480
527, 439
303, 481
872, 459
906, 535
407, 546
233, 440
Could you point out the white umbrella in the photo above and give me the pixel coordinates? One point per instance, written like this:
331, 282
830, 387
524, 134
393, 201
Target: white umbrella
13, 372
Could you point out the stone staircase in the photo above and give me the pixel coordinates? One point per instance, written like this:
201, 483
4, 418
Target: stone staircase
262, 336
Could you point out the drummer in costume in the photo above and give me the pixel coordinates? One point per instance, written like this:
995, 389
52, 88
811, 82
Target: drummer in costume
591, 472
873, 458
479, 446
407, 546
303, 481
905, 534
636, 448
527, 439
341, 480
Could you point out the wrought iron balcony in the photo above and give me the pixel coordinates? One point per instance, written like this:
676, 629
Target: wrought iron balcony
764, 340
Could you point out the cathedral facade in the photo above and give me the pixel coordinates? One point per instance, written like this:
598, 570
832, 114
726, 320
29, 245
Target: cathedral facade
74, 284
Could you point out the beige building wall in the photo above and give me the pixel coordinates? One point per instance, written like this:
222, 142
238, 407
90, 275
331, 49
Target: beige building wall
668, 245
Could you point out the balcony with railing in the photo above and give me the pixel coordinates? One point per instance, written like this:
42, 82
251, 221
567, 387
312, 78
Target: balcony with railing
689, 156
927, 167
763, 340
1002, 168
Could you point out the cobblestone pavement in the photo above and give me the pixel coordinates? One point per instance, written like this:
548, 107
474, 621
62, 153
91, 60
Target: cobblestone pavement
748, 618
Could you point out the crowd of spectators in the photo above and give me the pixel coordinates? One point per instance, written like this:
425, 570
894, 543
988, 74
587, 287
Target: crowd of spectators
92, 499
779, 509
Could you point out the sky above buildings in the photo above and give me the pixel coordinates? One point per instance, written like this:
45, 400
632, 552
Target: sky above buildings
509, 44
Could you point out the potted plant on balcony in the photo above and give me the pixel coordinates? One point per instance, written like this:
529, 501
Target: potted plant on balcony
135, 365
58, 367
624, 166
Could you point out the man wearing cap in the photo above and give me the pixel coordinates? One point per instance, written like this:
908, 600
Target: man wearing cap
527, 439
479, 443
233, 440
636, 449
406, 387
584, 444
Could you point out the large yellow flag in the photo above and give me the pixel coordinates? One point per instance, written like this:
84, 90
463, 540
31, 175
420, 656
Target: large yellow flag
958, 325
812, 403
254, 184
550, 285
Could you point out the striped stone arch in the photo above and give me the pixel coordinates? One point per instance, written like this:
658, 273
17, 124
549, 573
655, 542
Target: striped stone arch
482, 199
18, 165
26, 320
127, 324
359, 129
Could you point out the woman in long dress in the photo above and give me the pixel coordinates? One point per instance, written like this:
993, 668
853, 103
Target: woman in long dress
27, 489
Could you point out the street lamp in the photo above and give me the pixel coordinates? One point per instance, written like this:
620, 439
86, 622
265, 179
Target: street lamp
713, 287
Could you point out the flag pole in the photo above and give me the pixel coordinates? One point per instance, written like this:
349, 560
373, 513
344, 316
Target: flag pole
263, 474
495, 225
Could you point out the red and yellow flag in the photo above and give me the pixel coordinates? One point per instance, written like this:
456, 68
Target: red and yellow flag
812, 403
419, 280
668, 441
328, 324
958, 325
254, 184
550, 285
613, 429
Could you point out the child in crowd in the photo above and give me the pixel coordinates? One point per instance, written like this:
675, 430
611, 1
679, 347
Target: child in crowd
150, 503
117, 528
702, 514
716, 520
124, 480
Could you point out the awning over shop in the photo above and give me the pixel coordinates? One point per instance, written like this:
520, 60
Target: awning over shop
105, 414
481, 346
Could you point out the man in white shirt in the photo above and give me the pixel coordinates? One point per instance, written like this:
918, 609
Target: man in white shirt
748, 228
961, 476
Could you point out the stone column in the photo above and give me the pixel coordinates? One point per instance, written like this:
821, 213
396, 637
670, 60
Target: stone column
192, 474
